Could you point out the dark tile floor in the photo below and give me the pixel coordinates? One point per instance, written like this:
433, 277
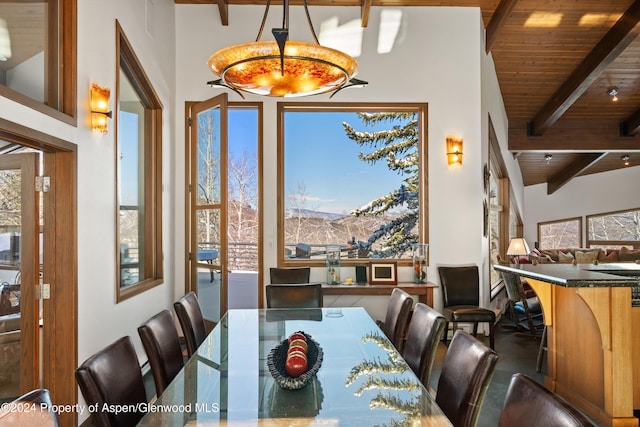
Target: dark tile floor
516, 353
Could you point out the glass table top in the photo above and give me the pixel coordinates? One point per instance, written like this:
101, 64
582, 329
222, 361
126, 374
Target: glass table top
362, 380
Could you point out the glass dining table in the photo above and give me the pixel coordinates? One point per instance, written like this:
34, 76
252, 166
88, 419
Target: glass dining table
363, 380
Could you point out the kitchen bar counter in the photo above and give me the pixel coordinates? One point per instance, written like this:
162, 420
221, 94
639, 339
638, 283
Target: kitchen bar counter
590, 343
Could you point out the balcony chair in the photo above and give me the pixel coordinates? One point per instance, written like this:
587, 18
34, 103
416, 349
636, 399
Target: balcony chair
461, 300
467, 370
306, 295
112, 376
529, 404
289, 275
397, 317
191, 321
423, 335
160, 339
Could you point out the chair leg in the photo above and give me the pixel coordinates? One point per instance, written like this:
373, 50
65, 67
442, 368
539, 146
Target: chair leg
475, 329
492, 329
542, 349
445, 337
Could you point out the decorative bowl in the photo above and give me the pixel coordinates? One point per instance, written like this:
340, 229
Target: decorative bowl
278, 356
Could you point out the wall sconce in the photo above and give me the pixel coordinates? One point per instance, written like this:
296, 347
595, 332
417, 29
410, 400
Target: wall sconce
454, 150
100, 108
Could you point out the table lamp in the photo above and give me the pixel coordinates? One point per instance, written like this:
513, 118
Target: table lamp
517, 247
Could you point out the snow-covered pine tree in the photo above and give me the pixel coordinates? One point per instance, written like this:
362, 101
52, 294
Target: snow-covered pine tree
399, 147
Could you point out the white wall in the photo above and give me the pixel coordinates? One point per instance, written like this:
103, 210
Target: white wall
437, 59
591, 194
149, 26
28, 77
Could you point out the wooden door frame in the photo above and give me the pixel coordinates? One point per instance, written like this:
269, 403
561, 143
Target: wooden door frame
60, 263
190, 159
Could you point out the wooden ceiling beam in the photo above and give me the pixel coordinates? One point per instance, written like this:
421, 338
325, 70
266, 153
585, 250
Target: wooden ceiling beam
223, 8
573, 136
499, 17
365, 10
584, 162
623, 32
631, 125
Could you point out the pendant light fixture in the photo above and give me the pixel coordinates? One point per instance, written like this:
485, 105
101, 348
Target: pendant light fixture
283, 68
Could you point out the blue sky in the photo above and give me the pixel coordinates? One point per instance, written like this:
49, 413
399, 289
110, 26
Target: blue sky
318, 155
321, 157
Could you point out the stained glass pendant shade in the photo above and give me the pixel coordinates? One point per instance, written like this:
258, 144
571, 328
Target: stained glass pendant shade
283, 68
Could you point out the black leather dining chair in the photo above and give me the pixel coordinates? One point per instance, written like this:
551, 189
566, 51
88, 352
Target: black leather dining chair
528, 403
289, 275
461, 298
397, 317
191, 321
44, 417
306, 295
112, 376
160, 340
423, 335
467, 370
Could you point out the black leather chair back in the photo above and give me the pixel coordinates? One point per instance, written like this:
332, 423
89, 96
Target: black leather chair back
42, 399
529, 404
460, 285
465, 376
160, 339
397, 317
294, 295
113, 377
423, 335
289, 275
191, 321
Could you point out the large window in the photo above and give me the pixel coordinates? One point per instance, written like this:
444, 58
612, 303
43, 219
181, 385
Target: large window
352, 175
138, 160
38, 55
504, 218
614, 230
562, 233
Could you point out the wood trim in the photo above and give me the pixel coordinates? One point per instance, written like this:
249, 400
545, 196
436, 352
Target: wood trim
617, 39
151, 252
60, 313
195, 108
60, 268
188, 212
505, 197
419, 108
60, 68
577, 218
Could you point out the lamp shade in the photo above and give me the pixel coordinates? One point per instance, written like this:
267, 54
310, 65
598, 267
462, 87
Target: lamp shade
518, 246
305, 68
